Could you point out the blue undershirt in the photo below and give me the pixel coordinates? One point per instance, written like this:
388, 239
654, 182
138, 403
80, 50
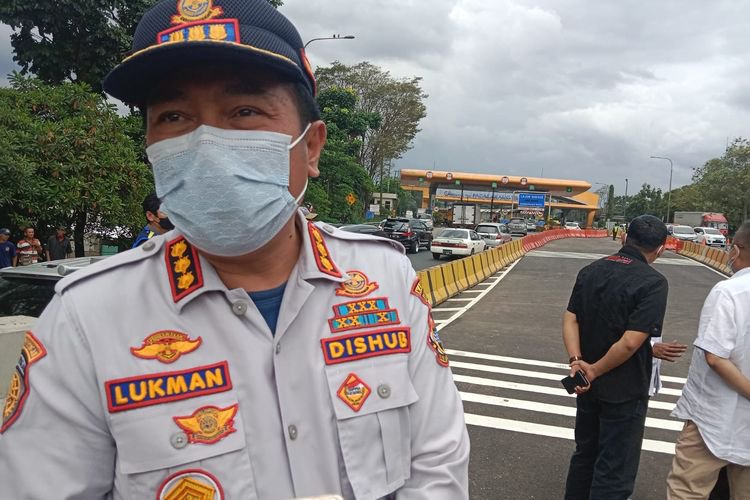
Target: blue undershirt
268, 303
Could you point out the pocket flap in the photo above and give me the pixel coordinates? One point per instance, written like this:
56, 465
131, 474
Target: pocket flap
151, 439
368, 386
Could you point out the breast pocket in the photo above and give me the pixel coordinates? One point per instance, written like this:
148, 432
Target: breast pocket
196, 446
371, 399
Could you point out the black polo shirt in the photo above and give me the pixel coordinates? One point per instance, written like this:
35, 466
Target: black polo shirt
618, 293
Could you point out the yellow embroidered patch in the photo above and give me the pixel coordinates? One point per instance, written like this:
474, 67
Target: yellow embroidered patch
191, 484
31, 352
166, 346
208, 424
189, 11
358, 285
354, 392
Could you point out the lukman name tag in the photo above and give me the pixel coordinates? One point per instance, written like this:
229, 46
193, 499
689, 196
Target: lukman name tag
157, 388
366, 345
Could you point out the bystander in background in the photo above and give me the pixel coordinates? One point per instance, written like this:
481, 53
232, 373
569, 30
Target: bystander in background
58, 245
28, 249
157, 221
7, 249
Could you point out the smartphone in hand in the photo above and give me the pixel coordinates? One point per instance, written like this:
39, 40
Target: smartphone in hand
578, 380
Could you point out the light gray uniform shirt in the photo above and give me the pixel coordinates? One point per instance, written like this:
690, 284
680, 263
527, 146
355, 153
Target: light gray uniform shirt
147, 378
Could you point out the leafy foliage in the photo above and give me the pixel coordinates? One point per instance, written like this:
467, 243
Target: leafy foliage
398, 103
340, 173
67, 160
71, 40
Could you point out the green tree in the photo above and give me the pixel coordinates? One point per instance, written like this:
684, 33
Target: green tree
725, 183
646, 201
610, 202
68, 161
68, 40
341, 176
398, 102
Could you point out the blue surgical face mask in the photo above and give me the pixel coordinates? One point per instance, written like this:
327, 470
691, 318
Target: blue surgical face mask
227, 191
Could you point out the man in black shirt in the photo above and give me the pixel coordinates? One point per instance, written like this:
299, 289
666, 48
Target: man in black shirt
617, 304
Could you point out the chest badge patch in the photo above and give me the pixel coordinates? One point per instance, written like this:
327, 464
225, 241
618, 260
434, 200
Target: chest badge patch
208, 424
366, 345
358, 285
31, 352
354, 392
434, 342
362, 314
166, 346
191, 484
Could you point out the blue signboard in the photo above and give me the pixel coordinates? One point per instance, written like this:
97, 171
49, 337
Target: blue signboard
531, 200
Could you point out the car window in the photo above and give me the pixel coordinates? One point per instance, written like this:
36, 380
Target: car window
474, 236
487, 229
503, 229
455, 233
396, 225
517, 221
711, 230
683, 230
25, 297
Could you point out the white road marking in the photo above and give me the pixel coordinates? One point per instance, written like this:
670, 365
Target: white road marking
459, 300
597, 256
476, 299
568, 411
533, 362
447, 309
539, 389
551, 431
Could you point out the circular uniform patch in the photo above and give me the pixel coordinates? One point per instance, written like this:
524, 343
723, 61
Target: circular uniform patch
190, 484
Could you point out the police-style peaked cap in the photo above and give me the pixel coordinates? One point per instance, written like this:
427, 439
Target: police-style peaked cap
183, 33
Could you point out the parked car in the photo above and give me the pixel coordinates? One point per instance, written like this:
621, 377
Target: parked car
365, 229
26, 290
412, 233
710, 236
684, 233
517, 226
493, 234
457, 242
573, 225
426, 219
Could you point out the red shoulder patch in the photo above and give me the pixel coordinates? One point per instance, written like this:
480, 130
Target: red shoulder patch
183, 268
320, 251
31, 352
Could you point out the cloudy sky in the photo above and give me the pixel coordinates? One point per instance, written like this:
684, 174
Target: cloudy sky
571, 88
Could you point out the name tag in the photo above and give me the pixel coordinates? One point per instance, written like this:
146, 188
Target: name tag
366, 345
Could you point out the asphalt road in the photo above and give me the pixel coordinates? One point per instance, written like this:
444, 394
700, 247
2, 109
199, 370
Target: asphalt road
507, 356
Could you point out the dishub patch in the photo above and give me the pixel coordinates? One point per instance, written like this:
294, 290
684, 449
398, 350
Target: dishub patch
366, 345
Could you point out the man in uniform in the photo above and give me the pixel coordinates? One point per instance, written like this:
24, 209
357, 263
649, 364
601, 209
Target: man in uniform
248, 353
157, 221
617, 303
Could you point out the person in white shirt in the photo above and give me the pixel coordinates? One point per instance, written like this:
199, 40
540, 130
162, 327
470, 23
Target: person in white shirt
715, 401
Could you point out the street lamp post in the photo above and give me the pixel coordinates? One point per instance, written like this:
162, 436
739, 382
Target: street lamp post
669, 194
492, 201
334, 37
625, 202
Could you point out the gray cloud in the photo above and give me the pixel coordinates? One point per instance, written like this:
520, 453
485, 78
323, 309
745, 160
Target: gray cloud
584, 90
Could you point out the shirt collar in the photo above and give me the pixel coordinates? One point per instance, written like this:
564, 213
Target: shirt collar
741, 272
189, 274
631, 251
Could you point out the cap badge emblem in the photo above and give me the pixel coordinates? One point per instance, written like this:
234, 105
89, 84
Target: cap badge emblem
166, 346
189, 11
358, 285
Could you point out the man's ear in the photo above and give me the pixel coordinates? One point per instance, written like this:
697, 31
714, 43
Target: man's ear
315, 139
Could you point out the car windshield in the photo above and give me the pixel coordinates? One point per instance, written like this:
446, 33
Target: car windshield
455, 233
517, 221
25, 297
710, 230
396, 225
683, 230
487, 229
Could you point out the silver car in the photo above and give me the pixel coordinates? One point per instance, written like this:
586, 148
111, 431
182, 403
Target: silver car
517, 226
493, 234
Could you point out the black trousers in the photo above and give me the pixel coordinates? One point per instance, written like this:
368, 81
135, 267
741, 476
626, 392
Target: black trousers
608, 449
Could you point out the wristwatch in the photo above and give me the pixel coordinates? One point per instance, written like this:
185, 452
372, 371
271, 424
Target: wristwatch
574, 358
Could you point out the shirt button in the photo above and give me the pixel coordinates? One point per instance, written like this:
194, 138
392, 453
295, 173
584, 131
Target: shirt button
278, 348
384, 391
148, 246
239, 308
178, 440
292, 432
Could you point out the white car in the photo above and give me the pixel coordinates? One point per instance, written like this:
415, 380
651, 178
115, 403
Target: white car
684, 233
710, 236
572, 225
456, 242
426, 219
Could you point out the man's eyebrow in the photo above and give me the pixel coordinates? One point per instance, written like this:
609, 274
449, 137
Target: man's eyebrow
253, 88
162, 94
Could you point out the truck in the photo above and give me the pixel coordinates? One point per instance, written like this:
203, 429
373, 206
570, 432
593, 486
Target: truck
465, 214
702, 219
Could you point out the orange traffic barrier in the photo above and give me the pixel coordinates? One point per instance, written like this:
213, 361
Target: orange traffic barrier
471, 272
449, 278
424, 279
485, 257
437, 285
459, 271
492, 259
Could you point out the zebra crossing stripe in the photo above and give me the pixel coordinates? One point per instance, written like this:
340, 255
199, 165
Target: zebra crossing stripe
567, 411
539, 389
550, 431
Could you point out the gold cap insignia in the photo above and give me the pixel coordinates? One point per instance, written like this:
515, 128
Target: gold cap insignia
358, 285
189, 11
